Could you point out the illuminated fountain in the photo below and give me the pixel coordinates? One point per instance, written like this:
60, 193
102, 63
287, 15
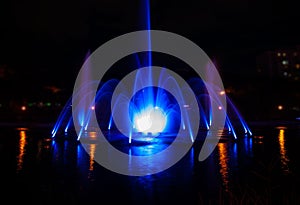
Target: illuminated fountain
152, 111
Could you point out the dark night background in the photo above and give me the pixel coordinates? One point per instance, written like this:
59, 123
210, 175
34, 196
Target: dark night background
43, 44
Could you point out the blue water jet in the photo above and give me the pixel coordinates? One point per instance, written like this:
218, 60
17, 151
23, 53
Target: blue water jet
163, 105
153, 111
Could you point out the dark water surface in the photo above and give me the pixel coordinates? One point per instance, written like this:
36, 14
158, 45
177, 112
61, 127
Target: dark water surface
262, 169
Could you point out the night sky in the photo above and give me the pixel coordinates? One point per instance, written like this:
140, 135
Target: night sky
45, 42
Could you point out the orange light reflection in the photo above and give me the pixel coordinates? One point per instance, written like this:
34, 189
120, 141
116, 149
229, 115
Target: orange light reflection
223, 162
22, 144
92, 156
284, 159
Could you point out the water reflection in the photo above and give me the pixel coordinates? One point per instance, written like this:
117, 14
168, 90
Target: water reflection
22, 144
63, 167
92, 151
248, 142
284, 159
224, 164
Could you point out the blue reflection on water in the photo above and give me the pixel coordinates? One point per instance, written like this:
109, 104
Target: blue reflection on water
248, 146
65, 167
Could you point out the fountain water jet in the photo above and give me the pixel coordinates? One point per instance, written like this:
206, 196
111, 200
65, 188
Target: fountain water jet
147, 106
154, 116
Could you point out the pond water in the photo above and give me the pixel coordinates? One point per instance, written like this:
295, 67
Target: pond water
262, 169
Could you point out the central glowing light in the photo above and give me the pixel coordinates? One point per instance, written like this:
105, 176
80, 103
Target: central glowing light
152, 120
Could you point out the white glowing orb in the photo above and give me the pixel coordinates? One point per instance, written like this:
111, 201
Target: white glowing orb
151, 120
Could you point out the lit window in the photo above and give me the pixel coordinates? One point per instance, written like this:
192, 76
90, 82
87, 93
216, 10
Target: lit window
284, 54
285, 73
297, 65
280, 107
278, 54
285, 62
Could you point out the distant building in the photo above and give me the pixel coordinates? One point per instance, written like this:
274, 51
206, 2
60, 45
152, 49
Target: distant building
280, 64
